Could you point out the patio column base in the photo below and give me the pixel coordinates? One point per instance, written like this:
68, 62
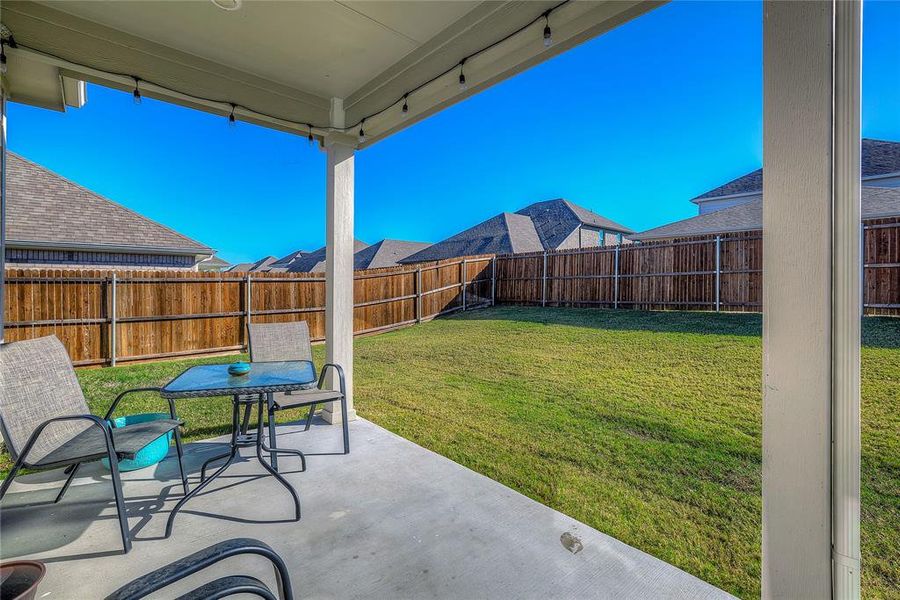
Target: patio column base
332, 414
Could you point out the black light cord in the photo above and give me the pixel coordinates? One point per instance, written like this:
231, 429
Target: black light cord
404, 98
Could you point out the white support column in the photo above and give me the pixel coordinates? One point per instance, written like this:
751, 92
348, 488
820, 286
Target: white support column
847, 310
339, 271
811, 295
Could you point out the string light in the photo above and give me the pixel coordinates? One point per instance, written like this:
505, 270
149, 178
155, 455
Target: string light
463, 85
136, 94
548, 35
310, 137
231, 120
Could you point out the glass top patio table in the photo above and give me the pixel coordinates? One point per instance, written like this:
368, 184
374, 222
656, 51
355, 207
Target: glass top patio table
264, 377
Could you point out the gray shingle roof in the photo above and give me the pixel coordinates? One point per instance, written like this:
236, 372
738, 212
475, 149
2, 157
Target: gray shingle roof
876, 203
386, 253
284, 263
47, 210
879, 157
555, 220
260, 266
314, 262
502, 234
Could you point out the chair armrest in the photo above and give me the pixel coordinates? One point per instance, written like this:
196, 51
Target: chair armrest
340, 372
94, 419
118, 399
187, 566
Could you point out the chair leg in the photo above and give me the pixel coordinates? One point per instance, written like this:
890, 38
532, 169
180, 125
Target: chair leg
120, 500
309, 417
267, 467
345, 425
273, 442
12, 473
180, 452
72, 472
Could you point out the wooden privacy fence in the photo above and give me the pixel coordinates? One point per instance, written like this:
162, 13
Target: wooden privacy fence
721, 273
107, 316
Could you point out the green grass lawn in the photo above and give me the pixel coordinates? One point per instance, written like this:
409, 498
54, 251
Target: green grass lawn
645, 426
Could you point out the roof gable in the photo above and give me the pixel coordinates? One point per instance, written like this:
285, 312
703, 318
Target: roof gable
556, 219
879, 157
502, 234
47, 209
314, 262
386, 253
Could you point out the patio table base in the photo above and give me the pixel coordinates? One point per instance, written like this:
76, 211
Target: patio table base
238, 441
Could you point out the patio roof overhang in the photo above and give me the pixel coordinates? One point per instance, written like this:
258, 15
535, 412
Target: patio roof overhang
282, 63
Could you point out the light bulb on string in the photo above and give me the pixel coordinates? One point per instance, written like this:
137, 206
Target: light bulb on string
232, 122
362, 133
404, 111
136, 94
310, 137
548, 35
463, 86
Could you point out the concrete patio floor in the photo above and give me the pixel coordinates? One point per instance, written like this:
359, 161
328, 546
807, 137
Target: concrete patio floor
390, 520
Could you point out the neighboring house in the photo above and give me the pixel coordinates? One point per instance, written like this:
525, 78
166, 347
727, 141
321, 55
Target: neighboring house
562, 225
54, 222
386, 253
504, 234
550, 225
213, 264
260, 266
880, 168
284, 263
877, 203
314, 262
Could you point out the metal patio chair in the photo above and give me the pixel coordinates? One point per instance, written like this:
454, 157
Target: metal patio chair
291, 341
228, 585
270, 342
46, 423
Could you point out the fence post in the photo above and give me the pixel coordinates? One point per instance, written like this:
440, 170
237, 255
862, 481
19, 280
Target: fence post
862, 269
544, 282
463, 275
616, 279
419, 295
493, 280
112, 320
247, 298
718, 271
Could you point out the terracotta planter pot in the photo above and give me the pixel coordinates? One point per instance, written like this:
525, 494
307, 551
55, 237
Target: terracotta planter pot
19, 579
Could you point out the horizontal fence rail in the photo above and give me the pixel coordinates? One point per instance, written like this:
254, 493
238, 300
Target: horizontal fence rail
104, 317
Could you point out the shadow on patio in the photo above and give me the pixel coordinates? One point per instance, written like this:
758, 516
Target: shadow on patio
389, 520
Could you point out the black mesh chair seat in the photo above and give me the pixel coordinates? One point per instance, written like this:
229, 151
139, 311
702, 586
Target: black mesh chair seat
90, 444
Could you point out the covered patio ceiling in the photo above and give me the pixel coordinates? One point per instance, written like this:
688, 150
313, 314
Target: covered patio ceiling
283, 63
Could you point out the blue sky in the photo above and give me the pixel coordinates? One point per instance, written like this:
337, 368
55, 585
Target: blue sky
631, 125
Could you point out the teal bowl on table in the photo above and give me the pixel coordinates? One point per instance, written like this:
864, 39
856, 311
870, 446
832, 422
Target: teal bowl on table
239, 368
150, 454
